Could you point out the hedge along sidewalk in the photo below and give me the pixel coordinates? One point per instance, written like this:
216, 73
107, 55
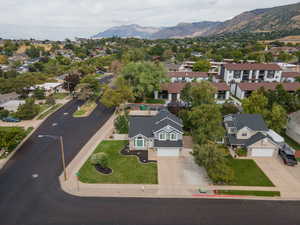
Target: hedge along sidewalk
38, 124
5, 160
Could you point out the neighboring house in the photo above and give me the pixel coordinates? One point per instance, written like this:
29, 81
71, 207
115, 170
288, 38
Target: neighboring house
244, 90
49, 88
287, 67
186, 66
251, 72
8, 97
187, 76
171, 92
293, 126
10, 101
12, 105
162, 133
290, 76
249, 131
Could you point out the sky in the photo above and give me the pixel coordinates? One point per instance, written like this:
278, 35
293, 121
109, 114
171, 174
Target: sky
60, 19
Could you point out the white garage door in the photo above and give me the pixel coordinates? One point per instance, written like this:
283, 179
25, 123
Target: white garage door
262, 152
168, 152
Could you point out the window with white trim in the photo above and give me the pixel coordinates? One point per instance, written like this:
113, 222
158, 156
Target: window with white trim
162, 136
173, 137
139, 142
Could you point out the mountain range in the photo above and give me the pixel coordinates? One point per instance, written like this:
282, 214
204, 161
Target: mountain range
285, 17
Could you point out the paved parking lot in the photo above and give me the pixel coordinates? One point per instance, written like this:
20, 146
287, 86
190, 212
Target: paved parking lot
286, 178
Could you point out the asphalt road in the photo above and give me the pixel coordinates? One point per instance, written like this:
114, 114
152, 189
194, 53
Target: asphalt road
28, 200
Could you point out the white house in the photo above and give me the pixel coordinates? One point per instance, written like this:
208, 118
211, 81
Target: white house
247, 72
187, 76
49, 88
172, 92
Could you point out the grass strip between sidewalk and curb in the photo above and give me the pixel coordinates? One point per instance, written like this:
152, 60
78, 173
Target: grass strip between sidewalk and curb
51, 110
249, 193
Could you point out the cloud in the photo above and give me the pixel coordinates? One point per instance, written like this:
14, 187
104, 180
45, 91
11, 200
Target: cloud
92, 16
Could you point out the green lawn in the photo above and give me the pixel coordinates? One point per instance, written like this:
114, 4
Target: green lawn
126, 169
52, 109
291, 142
43, 107
247, 173
249, 193
298, 159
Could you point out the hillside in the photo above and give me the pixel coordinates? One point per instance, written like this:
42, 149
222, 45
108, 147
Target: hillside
260, 20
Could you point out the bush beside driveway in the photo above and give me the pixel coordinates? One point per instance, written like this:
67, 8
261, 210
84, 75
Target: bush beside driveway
126, 169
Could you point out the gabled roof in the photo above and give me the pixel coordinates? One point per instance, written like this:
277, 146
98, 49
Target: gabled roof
290, 74
252, 66
146, 125
255, 138
253, 121
175, 88
269, 86
166, 114
188, 74
140, 125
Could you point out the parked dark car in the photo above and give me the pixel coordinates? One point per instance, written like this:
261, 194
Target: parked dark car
11, 119
288, 158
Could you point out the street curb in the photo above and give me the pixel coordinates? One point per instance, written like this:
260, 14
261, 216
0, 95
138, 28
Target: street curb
4, 161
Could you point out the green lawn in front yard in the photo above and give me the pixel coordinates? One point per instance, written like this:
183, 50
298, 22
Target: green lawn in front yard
291, 142
249, 193
247, 173
298, 159
126, 169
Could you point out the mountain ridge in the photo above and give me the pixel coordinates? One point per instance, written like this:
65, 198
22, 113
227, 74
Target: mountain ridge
258, 20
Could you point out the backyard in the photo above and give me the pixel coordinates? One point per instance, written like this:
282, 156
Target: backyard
126, 169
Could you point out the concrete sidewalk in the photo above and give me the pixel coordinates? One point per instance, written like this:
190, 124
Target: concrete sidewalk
74, 187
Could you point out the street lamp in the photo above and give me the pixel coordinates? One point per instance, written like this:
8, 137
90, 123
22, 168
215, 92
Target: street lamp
60, 138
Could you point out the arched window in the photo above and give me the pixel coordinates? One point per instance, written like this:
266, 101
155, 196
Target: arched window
139, 142
162, 136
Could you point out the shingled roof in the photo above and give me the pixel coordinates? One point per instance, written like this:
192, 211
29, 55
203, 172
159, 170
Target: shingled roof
146, 125
290, 74
252, 66
175, 88
188, 74
269, 86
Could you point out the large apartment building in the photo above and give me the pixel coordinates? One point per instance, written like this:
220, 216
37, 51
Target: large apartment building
251, 73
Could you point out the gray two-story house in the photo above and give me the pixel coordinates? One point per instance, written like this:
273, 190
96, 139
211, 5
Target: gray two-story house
249, 131
162, 133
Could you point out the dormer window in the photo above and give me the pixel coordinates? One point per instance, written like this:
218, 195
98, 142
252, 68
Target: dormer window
244, 134
162, 136
173, 137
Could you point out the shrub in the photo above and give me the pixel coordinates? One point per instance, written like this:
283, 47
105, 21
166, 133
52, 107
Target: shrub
50, 100
39, 93
28, 110
121, 124
4, 113
99, 159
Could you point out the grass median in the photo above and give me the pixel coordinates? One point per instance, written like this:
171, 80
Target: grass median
249, 193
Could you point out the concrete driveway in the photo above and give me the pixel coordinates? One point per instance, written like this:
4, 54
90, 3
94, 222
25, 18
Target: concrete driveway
181, 171
284, 177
